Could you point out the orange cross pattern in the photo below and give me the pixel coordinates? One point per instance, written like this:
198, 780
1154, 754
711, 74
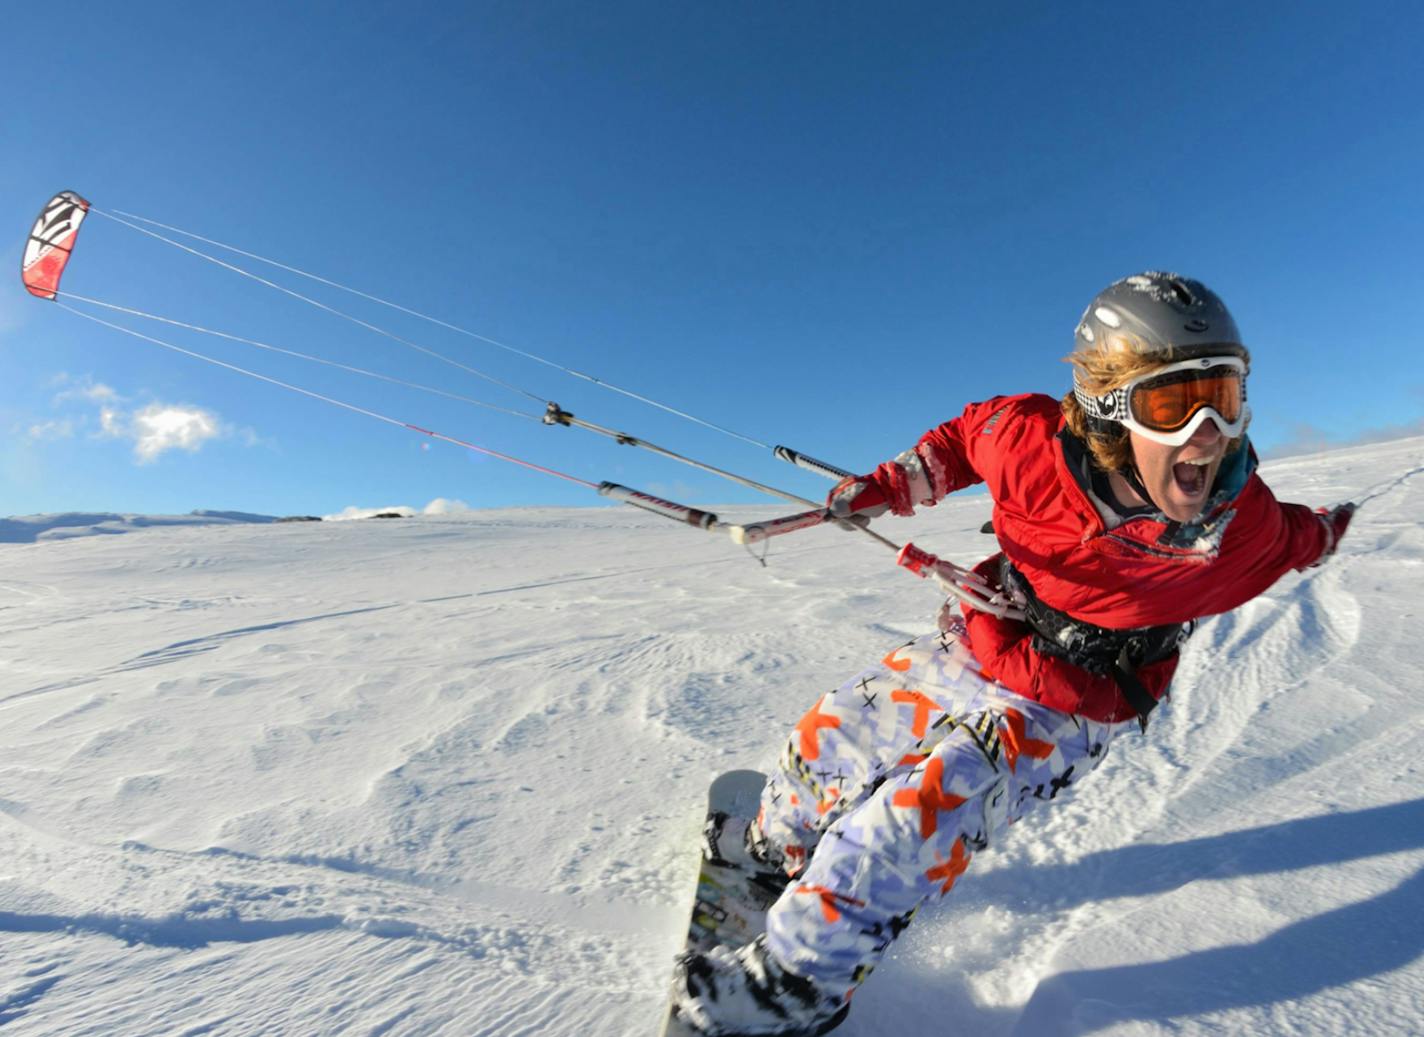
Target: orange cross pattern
924, 706
1017, 743
829, 901
809, 729
898, 665
950, 870
929, 799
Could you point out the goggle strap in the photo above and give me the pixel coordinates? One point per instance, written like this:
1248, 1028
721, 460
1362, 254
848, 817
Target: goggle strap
1094, 407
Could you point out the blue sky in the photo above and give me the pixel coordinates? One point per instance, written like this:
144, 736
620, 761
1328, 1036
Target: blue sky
820, 224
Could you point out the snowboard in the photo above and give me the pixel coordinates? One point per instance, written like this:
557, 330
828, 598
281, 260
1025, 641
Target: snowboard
730, 905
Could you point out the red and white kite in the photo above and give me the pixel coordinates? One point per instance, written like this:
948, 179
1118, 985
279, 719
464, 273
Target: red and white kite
51, 242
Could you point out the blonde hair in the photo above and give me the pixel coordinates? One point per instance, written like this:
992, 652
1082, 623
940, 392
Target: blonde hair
1097, 373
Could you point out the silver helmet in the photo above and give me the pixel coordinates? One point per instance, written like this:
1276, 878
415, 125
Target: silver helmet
1159, 316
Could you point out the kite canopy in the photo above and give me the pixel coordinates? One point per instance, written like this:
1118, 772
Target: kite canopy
51, 242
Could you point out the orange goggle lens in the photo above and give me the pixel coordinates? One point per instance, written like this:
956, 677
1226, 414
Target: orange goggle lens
1169, 402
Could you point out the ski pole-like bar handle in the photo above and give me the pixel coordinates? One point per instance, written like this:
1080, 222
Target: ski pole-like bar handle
756, 532
665, 508
922, 563
800, 460
967, 586
916, 560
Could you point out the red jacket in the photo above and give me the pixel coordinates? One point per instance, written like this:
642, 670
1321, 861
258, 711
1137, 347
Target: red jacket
1145, 572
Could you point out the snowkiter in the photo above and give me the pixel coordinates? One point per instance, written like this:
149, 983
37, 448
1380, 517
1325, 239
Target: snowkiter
1124, 512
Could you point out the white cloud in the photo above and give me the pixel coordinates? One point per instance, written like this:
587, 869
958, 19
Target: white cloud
45, 430
439, 506
154, 429
442, 506
93, 392
161, 427
353, 512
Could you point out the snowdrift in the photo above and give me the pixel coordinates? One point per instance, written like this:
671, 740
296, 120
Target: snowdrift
444, 775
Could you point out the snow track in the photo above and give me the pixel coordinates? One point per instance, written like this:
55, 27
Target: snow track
444, 776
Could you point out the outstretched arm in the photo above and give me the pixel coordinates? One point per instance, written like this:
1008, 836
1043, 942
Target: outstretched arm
963, 451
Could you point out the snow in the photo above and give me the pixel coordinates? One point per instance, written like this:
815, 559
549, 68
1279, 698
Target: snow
444, 776
25, 529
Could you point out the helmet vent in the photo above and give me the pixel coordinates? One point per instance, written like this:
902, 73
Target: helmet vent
1182, 292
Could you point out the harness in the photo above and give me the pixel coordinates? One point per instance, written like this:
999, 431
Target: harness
1118, 654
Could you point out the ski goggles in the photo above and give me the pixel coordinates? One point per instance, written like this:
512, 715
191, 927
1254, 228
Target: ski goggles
1169, 404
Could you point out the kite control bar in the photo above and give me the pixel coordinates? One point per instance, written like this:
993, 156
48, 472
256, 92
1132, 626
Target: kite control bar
754, 533
658, 506
969, 587
758, 532
965, 585
801, 460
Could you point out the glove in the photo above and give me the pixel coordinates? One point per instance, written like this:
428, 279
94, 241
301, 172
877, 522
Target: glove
857, 495
1336, 520
896, 486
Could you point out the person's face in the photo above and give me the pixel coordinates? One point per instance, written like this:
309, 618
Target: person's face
1179, 478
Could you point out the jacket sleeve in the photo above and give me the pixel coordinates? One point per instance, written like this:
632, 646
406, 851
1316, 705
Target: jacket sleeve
1294, 536
979, 445
1266, 540
963, 451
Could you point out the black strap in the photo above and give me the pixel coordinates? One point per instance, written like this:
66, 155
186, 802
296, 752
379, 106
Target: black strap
1133, 478
1136, 693
1118, 654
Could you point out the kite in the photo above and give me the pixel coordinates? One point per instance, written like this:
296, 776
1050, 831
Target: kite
50, 243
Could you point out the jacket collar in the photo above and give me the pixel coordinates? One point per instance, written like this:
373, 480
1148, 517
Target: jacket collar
1202, 535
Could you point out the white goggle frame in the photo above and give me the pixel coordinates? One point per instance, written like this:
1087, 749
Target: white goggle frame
1115, 405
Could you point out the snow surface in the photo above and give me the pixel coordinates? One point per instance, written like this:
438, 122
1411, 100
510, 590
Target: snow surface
444, 775
27, 529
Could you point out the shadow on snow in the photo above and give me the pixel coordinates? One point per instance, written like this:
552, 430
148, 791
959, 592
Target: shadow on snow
1335, 948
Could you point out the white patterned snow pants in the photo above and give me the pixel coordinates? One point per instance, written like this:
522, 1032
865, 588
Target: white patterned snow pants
888, 786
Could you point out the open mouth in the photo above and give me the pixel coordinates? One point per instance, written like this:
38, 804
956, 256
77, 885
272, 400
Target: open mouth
1190, 476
